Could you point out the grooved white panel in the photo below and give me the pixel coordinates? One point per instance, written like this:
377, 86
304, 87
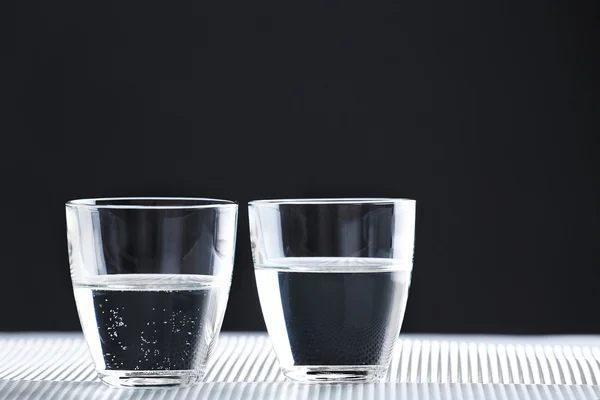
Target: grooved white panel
36, 390
418, 359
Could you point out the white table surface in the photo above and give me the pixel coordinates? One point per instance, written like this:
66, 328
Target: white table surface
57, 366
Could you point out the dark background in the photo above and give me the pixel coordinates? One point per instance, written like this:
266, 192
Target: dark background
483, 111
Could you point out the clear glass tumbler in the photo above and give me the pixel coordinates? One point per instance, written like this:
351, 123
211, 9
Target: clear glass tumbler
333, 278
151, 278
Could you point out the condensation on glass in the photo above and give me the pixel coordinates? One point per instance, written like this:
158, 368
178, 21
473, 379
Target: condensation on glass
333, 278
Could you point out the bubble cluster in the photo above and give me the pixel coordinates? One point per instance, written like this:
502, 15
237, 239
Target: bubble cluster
154, 330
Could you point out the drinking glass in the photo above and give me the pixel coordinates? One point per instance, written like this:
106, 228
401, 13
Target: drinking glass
333, 278
151, 279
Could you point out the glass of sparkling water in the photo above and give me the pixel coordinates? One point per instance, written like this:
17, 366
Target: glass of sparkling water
151, 278
333, 278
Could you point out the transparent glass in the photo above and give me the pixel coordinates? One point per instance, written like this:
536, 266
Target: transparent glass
333, 278
151, 278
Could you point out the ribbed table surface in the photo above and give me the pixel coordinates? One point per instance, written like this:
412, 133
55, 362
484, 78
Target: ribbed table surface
52, 365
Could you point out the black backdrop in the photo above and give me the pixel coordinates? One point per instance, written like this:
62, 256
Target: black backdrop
484, 111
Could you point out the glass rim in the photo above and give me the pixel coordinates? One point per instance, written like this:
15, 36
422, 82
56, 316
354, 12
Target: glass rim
90, 203
333, 201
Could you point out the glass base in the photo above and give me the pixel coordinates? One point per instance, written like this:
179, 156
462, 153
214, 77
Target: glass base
150, 379
335, 373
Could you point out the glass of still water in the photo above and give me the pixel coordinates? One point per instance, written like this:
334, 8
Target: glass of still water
333, 278
151, 278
